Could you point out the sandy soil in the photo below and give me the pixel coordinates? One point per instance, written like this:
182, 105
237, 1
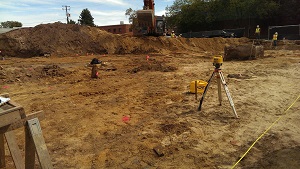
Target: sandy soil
135, 105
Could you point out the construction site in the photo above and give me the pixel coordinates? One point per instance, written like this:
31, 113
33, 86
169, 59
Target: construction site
139, 112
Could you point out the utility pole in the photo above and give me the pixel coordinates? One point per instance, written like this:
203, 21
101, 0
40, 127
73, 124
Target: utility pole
67, 8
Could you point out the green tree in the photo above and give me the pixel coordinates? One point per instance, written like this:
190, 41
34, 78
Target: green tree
174, 14
72, 22
86, 18
289, 12
11, 24
131, 14
212, 14
132, 17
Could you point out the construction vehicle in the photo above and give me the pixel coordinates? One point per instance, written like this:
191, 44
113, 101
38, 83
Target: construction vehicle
148, 23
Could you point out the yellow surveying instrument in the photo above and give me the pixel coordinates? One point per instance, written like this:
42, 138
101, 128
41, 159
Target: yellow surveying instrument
217, 62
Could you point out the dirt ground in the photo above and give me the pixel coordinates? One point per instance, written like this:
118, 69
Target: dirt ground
139, 104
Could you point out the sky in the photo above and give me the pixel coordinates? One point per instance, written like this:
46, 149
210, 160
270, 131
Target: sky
105, 12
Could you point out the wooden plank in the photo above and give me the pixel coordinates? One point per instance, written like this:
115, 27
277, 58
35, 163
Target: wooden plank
21, 109
11, 106
9, 118
39, 142
2, 151
29, 149
22, 113
196, 89
10, 110
22, 122
5, 107
14, 150
18, 109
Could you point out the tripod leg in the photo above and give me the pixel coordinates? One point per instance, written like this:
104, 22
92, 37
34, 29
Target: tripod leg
228, 94
205, 90
219, 89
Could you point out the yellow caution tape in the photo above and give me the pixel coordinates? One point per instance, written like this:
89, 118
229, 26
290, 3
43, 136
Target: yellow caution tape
265, 133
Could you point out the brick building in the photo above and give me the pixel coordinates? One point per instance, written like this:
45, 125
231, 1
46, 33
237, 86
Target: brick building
118, 29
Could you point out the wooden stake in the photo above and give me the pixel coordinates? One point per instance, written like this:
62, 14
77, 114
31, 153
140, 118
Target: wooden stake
196, 90
39, 143
2, 151
29, 149
14, 150
94, 71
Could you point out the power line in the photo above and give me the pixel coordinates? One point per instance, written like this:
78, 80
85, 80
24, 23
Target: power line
67, 8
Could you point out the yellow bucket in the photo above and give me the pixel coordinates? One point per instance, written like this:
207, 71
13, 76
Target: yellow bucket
200, 84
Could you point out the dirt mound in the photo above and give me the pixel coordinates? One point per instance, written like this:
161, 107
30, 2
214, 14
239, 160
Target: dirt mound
153, 65
72, 40
57, 39
52, 71
29, 73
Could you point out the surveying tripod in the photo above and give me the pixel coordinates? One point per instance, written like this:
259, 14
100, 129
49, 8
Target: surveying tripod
218, 60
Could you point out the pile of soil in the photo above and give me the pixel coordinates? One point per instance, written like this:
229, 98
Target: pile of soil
30, 73
153, 65
72, 40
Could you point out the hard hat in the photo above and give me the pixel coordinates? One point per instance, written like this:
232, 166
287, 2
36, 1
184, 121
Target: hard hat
276, 33
172, 31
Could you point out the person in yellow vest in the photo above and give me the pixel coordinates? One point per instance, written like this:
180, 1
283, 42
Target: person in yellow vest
275, 36
173, 35
257, 32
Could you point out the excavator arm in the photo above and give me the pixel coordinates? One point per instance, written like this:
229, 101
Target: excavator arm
148, 4
146, 17
148, 22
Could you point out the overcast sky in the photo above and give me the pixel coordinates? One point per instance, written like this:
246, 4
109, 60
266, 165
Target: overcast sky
105, 12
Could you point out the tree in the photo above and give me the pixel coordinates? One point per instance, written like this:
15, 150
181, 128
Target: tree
86, 18
174, 15
72, 22
198, 15
11, 24
289, 12
131, 14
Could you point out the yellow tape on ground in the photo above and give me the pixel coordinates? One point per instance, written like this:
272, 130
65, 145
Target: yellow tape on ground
265, 133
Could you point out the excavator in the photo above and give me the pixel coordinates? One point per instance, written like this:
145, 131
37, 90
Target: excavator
148, 23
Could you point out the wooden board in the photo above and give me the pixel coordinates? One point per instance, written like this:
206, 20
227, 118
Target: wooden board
29, 149
2, 151
22, 122
7, 108
20, 108
11, 106
9, 118
14, 150
39, 142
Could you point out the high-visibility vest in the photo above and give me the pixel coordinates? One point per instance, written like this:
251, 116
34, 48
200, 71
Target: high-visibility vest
275, 37
257, 30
